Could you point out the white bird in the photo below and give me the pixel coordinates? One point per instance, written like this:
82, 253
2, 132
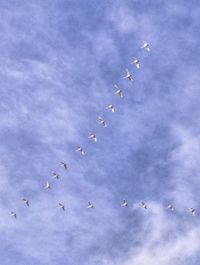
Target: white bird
102, 121
143, 205
55, 175
80, 149
128, 75
25, 201
93, 136
14, 215
90, 205
47, 186
111, 107
170, 206
145, 46
124, 204
63, 164
192, 211
61, 206
136, 62
118, 91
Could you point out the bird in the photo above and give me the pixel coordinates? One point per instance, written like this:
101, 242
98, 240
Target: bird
47, 186
118, 91
55, 175
61, 206
145, 46
102, 121
136, 62
13, 214
25, 201
63, 164
93, 136
143, 205
80, 149
90, 205
170, 206
192, 211
128, 75
124, 204
111, 107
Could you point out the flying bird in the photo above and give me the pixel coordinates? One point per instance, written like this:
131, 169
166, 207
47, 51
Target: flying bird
25, 201
47, 185
80, 149
111, 107
55, 175
128, 75
143, 205
170, 206
124, 204
63, 164
14, 215
93, 136
192, 211
90, 205
61, 206
145, 46
136, 62
118, 91
102, 121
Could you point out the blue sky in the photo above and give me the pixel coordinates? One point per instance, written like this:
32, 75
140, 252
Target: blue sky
59, 62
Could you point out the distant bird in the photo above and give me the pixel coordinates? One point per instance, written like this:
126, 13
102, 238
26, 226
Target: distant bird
128, 75
25, 201
124, 204
93, 136
61, 206
90, 205
118, 91
170, 206
143, 205
136, 62
145, 46
111, 107
14, 215
55, 175
80, 149
63, 164
192, 211
47, 185
102, 121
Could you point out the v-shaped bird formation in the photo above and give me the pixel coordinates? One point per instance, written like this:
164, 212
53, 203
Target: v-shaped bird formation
93, 137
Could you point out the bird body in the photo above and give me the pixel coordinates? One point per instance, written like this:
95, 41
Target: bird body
111, 107
128, 75
125, 203
192, 211
63, 164
136, 62
13, 214
102, 121
61, 206
145, 46
93, 136
55, 175
170, 206
90, 205
143, 205
118, 91
25, 201
80, 149
47, 185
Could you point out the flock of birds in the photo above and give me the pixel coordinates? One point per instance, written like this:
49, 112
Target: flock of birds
93, 137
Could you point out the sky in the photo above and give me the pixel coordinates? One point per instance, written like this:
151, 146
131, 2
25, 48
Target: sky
60, 60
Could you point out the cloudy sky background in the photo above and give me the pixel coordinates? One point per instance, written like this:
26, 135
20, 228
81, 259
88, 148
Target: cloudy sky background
59, 62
